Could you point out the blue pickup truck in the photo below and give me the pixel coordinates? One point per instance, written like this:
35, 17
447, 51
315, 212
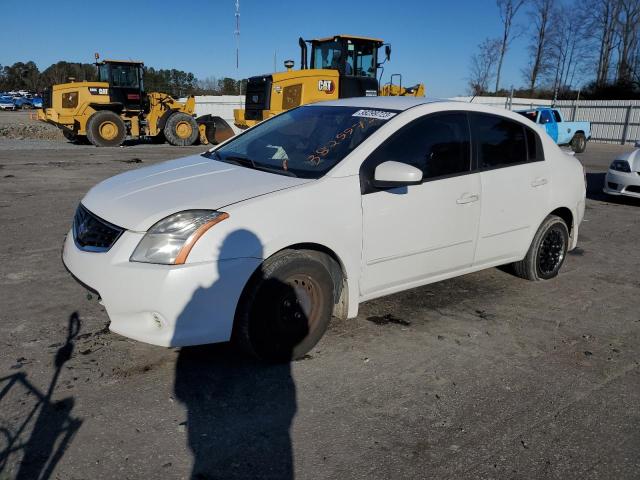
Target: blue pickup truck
575, 134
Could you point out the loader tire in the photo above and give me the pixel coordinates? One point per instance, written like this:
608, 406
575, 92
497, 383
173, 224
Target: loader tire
181, 129
106, 129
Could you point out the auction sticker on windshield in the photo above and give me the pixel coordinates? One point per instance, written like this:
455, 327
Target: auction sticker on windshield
378, 114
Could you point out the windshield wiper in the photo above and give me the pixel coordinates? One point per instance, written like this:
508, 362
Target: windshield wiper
247, 162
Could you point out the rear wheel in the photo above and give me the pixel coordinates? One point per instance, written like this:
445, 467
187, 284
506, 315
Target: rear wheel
181, 129
579, 143
547, 251
286, 307
106, 129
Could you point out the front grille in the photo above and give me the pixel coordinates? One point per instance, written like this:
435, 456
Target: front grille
46, 98
93, 234
258, 97
633, 189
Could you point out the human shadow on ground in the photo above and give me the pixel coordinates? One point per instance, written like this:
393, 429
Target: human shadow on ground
51, 423
239, 410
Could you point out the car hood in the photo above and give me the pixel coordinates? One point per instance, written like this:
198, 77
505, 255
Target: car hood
633, 158
137, 199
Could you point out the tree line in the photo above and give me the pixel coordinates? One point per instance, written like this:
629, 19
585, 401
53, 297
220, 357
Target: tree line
588, 45
178, 83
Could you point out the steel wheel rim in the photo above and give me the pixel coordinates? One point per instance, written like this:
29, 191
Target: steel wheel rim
551, 252
299, 307
108, 130
184, 129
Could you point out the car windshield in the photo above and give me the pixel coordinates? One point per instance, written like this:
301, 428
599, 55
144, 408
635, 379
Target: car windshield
305, 142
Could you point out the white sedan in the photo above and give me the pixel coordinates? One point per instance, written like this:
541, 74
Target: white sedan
267, 237
623, 177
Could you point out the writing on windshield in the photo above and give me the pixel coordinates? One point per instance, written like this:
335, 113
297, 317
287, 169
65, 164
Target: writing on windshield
305, 142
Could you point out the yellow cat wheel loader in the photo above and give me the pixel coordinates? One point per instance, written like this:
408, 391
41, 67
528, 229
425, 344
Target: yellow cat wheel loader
341, 66
105, 112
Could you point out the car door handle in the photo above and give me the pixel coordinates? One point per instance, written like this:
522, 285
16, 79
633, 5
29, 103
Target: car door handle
467, 198
538, 182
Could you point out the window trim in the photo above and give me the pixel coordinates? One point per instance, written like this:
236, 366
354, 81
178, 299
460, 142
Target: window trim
366, 179
476, 147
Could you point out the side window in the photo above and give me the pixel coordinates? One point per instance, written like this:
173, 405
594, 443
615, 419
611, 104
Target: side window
556, 115
545, 117
500, 141
437, 144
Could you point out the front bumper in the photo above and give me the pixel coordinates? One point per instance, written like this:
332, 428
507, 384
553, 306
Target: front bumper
165, 305
621, 183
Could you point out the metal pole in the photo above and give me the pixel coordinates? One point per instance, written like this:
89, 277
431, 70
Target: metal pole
575, 106
625, 130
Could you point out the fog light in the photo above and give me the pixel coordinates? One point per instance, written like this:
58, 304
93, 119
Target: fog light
157, 320
612, 186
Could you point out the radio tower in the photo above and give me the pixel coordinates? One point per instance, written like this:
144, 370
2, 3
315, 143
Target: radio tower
237, 34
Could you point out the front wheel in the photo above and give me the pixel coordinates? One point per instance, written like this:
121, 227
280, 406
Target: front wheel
286, 307
547, 251
181, 130
579, 143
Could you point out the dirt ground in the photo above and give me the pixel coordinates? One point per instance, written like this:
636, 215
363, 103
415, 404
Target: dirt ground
484, 376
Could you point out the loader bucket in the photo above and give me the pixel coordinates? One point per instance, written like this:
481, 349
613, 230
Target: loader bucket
213, 130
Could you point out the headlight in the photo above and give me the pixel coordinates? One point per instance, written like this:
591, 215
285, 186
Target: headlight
621, 166
170, 240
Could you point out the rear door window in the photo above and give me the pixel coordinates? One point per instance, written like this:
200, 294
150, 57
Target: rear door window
500, 142
557, 116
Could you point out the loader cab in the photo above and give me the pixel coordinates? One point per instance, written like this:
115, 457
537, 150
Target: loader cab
125, 81
356, 58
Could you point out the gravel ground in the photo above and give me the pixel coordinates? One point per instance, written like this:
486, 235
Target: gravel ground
19, 125
483, 376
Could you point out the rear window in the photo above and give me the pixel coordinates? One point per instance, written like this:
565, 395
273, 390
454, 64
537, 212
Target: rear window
304, 142
531, 115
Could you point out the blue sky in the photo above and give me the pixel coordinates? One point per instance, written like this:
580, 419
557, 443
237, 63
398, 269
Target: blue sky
432, 40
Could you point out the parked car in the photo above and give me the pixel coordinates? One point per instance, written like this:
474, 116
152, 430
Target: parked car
623, 177
36, 102
297, 220
23, 102
575, 134
6, 103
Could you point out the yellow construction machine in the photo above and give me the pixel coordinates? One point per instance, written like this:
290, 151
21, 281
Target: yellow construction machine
341, 66
105, 112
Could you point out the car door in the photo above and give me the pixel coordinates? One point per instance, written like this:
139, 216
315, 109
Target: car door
564, 129
515, 183
417, 232
550, 125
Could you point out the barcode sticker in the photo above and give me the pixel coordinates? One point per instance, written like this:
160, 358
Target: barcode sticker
378, 114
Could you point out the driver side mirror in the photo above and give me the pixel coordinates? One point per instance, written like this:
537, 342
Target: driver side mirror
387, 52
396, 174
637, 144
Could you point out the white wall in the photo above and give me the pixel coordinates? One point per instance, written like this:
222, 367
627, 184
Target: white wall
220, 106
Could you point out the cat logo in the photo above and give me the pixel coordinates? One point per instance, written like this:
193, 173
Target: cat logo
326, 86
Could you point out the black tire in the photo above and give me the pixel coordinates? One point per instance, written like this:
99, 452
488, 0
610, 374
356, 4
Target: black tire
547, 251
181, 129
286, 307
106, 129
579, 143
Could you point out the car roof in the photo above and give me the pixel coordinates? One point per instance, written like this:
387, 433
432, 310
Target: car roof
535, 109
391, 103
